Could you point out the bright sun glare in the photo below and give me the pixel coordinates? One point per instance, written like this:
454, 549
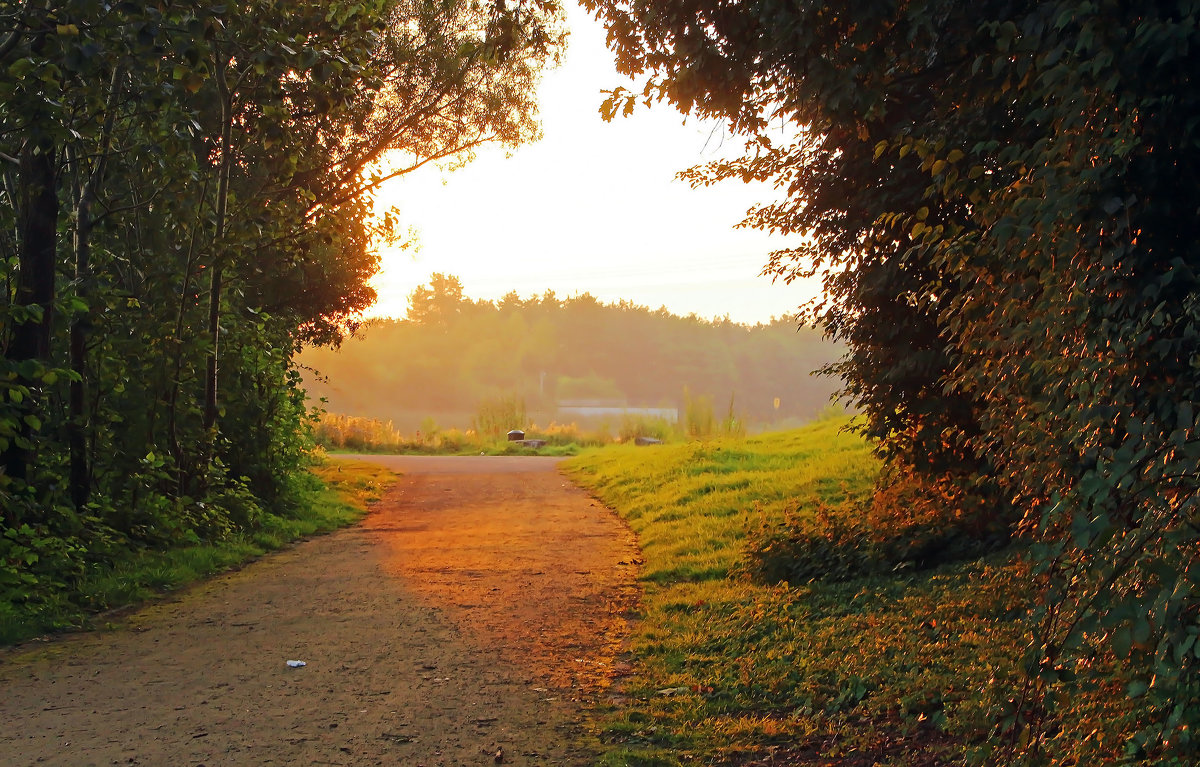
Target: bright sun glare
593, 207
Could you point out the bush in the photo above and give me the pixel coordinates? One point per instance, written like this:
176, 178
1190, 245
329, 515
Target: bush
499, 415
453, 440
698, 419
905, 525
342, 432
239, 506
634, 426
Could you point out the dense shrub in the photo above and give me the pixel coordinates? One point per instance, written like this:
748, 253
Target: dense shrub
905, 525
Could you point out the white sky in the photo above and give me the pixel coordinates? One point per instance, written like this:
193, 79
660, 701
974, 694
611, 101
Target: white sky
593, 207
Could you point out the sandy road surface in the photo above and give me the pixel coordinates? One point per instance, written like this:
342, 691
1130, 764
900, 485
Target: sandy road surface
477, 610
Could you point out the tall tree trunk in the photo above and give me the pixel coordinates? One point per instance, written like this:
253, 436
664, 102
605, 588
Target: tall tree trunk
214, 290
38, 211
214, 333
79, 481
80, 475
177, 453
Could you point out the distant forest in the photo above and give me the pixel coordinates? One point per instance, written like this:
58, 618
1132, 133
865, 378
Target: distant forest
451, 353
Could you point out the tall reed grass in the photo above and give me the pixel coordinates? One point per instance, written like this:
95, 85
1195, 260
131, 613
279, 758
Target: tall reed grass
346, 433
354, 434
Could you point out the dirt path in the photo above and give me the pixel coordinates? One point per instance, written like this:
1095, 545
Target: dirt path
478, 610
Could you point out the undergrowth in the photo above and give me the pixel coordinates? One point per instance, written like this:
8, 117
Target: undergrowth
335, 495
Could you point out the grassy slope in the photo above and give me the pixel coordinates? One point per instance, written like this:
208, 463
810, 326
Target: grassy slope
347, 488
887, 670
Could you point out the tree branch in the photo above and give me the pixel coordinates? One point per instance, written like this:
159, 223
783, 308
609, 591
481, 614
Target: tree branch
15, 36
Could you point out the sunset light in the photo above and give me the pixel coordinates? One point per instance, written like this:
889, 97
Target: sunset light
593, 207
366, 398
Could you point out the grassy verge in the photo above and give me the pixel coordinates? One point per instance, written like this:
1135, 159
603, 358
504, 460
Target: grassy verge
340, 498
881, 670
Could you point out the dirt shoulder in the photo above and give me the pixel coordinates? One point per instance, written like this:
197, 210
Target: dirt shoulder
477, 610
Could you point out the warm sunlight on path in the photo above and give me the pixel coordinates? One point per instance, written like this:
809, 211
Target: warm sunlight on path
477, 611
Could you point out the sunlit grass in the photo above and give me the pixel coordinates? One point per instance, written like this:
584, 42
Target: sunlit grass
846, 667
340, 499
353, 485
692, 504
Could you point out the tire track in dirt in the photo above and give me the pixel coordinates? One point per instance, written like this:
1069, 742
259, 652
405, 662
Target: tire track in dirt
477, 610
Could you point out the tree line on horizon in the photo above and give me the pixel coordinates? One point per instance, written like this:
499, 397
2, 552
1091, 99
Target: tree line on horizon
452, 353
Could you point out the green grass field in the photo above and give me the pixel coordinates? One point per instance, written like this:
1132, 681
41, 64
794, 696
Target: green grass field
340, 499
881, 670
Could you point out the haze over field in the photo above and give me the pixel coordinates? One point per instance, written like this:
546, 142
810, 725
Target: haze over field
452, 352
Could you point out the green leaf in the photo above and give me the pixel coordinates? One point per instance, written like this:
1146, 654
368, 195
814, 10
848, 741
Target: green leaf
20, 68
1141, 630
1122, 642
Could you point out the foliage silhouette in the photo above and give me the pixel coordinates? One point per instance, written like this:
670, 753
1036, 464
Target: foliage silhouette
1001, 197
